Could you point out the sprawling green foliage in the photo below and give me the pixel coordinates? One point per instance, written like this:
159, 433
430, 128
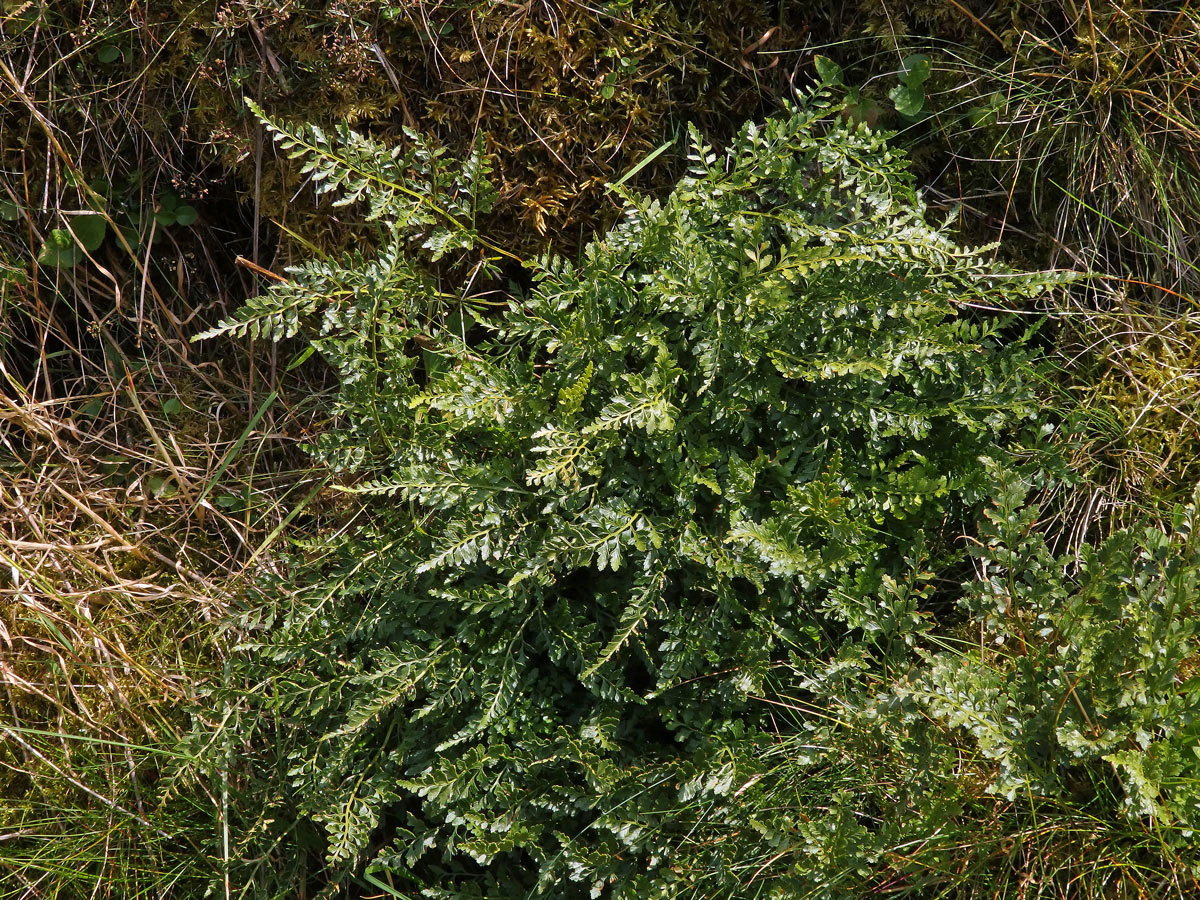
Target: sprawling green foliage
714, 646
1081, 662
721, 444
1048, 738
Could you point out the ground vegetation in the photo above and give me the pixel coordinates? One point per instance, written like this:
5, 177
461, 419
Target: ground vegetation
831, 557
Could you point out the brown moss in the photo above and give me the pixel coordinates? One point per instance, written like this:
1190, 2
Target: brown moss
567, 95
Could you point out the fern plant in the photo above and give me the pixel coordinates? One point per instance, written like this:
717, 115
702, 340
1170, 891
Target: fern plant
1084, 668
1050, 737
611, 509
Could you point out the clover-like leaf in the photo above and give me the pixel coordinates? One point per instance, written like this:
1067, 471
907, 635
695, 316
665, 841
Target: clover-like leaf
186, 215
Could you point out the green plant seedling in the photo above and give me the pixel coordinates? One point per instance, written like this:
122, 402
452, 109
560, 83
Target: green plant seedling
909, 94
65, 247
173, 211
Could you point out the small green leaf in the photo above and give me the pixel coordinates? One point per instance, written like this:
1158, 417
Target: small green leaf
117, 469
917, 69
435, 363
186, 215
132, 236
859, 110
909, 100
161, 486
97, 198
301, 358
13, 276
89, 230
827, 70
9, 211
981, 116
60, 250
171, 406
165, 217
108, 53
